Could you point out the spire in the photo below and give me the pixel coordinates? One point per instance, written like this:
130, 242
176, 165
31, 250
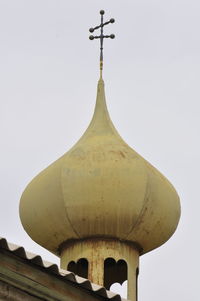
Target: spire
101, 37
101, 122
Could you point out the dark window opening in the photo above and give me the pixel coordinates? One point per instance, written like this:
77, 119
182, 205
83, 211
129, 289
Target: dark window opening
114, 272
72, 267
79, 268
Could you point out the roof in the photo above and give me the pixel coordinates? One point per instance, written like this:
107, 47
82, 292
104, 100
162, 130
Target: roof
53, 269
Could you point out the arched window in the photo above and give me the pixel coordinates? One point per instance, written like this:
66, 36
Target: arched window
114, 272
72, 267
79, 268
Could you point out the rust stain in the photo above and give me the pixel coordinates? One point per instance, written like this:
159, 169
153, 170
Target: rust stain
122, 154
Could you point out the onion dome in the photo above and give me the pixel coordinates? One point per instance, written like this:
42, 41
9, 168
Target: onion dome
100, 188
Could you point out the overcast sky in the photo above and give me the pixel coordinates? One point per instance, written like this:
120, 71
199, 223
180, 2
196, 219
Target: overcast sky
48, 77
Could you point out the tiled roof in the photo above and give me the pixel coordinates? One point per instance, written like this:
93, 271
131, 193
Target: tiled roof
54, 269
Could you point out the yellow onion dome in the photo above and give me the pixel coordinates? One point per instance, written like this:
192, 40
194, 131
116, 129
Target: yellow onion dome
100, 188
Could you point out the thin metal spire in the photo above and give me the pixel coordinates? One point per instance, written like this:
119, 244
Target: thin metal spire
101, 37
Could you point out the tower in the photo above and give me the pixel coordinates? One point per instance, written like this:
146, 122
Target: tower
101, 205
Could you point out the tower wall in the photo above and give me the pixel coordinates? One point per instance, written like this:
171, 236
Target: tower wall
109, 261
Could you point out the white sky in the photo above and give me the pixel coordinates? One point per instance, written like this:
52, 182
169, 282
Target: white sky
48, 77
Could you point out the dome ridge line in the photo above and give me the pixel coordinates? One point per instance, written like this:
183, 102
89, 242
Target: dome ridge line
142, 210
66, 211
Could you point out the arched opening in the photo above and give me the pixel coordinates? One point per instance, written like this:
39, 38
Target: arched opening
82, 268
79, 268
114, 272
72, 267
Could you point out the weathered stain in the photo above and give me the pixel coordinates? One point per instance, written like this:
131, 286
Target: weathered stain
122, 154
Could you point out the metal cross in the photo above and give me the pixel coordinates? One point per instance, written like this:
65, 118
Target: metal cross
101, 36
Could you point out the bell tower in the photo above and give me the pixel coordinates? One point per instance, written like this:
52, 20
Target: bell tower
101, 205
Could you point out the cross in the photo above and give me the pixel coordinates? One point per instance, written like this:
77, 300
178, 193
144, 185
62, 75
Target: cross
101, 36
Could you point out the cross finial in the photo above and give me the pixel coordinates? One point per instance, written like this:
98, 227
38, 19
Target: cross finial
101, 37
